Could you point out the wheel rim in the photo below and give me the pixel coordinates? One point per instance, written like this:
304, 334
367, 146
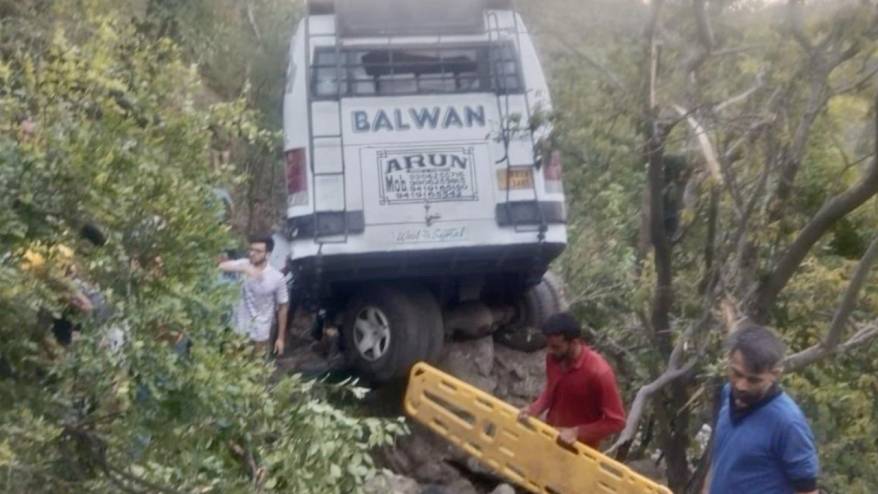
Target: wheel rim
371, 333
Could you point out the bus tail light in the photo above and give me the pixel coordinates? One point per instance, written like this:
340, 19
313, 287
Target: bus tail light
552, 173
297, 177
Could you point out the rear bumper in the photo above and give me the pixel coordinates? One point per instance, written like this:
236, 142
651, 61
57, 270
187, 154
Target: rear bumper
529, 259
334, 253
328, 280
511, 214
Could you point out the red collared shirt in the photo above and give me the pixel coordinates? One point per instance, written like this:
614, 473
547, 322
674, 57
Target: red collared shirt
583, 395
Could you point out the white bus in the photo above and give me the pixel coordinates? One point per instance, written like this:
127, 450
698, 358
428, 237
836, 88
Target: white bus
422, 198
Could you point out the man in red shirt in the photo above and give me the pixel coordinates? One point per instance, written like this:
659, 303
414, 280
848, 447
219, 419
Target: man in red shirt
580, 398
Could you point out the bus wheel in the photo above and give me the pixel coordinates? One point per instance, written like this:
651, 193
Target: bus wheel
379, 332
430, 326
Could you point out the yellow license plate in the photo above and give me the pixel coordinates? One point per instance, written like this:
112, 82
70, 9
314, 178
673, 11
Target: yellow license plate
515, 178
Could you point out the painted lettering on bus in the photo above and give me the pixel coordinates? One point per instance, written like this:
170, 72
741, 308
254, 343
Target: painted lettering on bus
401, 119
427, 160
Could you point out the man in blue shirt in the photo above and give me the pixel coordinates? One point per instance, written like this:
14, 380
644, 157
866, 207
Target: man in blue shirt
762, 441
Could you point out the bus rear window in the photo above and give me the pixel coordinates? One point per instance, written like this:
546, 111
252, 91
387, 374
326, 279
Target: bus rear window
398, 71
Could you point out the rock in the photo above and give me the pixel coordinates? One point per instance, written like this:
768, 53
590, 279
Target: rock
396, 460
424, 446
435, 472
471, 361
426, 458
520, 376
387, 482
648, 468
422, 455
475, 466
470, 319
461, 486
503, 489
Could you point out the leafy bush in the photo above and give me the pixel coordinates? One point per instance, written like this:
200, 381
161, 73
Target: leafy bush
100, 127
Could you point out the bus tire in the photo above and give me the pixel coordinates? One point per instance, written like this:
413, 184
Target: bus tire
430, 326
545, 299
380, 333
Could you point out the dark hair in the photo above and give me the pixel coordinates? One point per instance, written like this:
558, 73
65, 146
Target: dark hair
263, 239
562, 323
760, 347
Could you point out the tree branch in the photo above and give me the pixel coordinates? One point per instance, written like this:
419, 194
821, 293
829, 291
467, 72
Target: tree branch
704, 36
833, 210
118, 483
848, 303
702, 22
251, 18
151, 487
707, 149
857, 84
611, 77
642, 398
729, 155
803, 359
675, 370
96, 450
760, 81
791, 160
652, 54
796, 19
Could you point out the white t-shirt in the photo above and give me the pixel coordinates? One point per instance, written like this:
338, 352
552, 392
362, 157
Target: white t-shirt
260, 297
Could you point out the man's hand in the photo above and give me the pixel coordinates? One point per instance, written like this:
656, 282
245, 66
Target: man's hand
279, 346
568, 436
523, 415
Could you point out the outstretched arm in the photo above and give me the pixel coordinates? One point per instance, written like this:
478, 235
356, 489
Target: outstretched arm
280, 342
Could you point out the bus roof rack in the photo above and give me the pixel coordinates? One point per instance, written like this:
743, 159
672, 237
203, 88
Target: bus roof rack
500, 4
320, 7
356, 18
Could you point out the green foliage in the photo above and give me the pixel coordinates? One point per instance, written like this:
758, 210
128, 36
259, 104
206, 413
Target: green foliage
100, 125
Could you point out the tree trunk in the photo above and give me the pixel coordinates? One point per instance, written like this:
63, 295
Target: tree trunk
674, 420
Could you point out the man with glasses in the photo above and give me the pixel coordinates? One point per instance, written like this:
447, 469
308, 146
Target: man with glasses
263, 296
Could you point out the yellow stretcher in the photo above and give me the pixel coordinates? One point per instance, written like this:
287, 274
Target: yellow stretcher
527, 454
